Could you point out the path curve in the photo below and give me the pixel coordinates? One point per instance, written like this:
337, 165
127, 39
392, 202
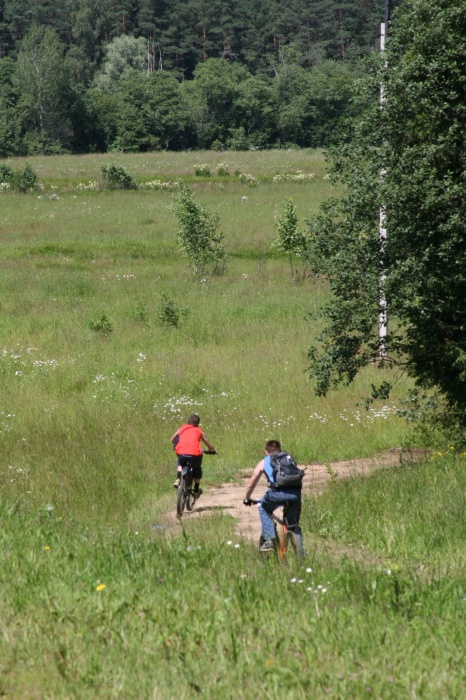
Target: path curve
228, 498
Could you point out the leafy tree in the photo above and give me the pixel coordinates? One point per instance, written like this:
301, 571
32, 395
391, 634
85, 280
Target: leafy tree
215, 91
10, 125
123, 54
151, 113
256, 109
291, 239
44, 91
197, 234
419, 139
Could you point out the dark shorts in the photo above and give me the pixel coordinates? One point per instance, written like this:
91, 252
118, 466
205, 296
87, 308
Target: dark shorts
183, 460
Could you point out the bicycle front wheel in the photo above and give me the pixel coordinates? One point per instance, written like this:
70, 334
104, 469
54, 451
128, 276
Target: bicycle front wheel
181, 497
294, 543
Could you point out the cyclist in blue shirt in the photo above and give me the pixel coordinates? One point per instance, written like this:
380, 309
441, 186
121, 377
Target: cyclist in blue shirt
273, 498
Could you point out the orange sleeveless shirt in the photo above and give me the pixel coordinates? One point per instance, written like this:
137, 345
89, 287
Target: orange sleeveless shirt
190, 440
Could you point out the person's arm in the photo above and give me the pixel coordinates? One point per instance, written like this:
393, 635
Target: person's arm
173, 438
254, 480
207, 442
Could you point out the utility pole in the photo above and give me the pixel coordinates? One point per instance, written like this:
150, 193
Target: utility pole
383, 312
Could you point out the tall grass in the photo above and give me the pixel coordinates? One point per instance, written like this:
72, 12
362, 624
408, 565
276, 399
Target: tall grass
414, 513
96, 600
90, 413
89, 613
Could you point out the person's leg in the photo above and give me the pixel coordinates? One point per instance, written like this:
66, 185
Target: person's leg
267, 505
178, 475
197, 473
294, 508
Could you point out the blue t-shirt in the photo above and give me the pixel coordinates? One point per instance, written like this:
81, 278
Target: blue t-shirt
268, 469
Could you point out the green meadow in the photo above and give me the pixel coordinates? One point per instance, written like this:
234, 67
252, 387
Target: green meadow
96, 600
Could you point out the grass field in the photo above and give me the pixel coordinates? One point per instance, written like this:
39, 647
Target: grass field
87, 416
96, 604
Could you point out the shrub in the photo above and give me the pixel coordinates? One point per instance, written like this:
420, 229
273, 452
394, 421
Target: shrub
223, 170
103, 325
142, 313
116, 178
6, 173
170, 313
247, 180
202, 170
25, 180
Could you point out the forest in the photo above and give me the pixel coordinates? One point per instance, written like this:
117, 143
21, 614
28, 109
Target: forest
142, 75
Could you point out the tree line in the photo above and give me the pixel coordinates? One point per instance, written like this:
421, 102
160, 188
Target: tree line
141, 75
182, 33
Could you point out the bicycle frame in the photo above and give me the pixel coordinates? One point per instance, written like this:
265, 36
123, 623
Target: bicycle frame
185, 494
290, 538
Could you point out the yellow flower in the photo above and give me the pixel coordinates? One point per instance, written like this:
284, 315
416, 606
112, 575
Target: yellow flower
100, 587
269, 663
46, 547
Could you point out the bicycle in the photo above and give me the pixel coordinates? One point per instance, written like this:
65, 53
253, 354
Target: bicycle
291, 537
185, 496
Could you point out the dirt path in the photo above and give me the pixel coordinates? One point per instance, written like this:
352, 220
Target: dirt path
229, 497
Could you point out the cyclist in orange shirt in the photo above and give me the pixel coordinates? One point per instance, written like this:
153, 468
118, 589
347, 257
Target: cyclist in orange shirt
187, 444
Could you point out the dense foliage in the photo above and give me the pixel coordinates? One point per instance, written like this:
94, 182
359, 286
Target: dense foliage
181, 33
418, 139
142, 75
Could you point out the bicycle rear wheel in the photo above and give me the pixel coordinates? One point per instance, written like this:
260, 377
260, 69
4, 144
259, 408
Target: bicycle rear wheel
294, 543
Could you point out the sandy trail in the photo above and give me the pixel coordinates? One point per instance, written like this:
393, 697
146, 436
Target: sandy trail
229, 497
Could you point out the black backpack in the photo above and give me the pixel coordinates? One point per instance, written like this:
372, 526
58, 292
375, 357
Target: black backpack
285, 471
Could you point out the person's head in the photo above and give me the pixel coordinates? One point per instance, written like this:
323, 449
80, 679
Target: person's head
194, 419
272, 446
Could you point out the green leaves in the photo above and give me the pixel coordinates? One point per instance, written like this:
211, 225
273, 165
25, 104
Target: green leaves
418, 139
290, 239
197, 234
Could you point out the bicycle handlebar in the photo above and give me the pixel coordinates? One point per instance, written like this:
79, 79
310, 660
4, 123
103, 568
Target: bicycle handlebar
210, 452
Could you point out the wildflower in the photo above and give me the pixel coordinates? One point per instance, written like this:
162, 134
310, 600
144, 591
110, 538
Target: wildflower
49, 507
236, 546
309, 570
292, 580
100, 587
229, 542
46, 547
